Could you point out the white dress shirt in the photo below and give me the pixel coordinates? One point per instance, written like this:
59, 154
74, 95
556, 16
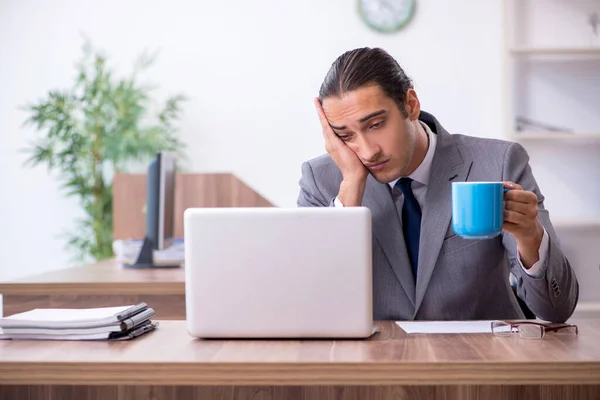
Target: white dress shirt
420, 177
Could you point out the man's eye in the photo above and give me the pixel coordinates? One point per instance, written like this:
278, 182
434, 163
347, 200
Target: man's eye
377, 125
344, 137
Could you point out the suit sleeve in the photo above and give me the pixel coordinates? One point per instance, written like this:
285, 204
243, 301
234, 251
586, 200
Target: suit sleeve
553, 295
310, 195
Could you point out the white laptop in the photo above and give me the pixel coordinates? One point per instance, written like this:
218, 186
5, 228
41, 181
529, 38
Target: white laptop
278, 272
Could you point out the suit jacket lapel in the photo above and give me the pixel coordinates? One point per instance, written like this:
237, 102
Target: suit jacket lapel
388, 231
447, 166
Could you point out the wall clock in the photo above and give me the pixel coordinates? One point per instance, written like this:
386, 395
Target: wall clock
386, 16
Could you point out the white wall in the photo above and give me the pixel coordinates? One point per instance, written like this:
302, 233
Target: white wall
251, 68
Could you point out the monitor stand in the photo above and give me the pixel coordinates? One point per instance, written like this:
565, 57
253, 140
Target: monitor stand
146, 258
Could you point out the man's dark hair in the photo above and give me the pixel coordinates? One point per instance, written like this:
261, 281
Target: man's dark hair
366, 66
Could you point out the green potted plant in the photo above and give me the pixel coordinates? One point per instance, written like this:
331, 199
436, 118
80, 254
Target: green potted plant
100, 125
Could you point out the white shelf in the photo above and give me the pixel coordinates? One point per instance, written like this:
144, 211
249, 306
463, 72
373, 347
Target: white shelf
586, 310
589, 305
555, 51
555, 136
557, 83
579, 224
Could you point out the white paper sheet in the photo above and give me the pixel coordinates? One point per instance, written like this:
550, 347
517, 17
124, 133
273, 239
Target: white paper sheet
64, 317
446, 326
68, 314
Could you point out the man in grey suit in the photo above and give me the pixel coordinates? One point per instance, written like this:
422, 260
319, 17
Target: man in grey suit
386, 154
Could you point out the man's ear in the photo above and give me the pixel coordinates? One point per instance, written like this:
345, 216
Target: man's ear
412, 104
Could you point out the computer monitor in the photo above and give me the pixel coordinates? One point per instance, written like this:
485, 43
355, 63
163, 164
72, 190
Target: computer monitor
160, 210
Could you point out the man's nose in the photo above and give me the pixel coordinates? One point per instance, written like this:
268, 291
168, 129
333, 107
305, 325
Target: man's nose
368, 150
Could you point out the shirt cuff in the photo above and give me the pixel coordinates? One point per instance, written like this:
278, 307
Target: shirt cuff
337, 202
537, 270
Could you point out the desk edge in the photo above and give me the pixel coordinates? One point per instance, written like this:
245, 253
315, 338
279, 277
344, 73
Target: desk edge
367, 373
91, 288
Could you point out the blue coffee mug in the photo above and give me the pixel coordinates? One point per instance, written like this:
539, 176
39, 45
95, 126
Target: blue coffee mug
477, 209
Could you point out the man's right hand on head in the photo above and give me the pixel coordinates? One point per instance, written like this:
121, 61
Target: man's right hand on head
353, 171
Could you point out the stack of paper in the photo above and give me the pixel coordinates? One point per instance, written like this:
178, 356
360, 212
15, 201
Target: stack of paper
446, 326
109, 323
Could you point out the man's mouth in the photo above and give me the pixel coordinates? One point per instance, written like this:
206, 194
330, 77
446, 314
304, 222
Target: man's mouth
376, 166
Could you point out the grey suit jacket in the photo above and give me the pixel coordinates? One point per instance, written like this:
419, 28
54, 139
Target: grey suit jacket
457, 279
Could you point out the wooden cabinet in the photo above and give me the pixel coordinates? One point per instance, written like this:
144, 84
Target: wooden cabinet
191, 190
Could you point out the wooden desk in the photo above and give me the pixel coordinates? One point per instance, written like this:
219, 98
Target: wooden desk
104, 284
169, 364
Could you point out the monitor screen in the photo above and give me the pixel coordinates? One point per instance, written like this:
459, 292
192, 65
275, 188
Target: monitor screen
166, 219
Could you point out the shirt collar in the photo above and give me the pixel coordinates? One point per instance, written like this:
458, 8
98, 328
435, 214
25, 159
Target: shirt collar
421, 174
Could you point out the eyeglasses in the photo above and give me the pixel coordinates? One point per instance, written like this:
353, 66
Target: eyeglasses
531, 330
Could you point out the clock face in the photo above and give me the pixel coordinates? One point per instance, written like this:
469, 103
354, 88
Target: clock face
386, 15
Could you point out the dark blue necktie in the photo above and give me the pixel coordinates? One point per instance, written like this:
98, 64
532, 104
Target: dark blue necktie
411, 222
